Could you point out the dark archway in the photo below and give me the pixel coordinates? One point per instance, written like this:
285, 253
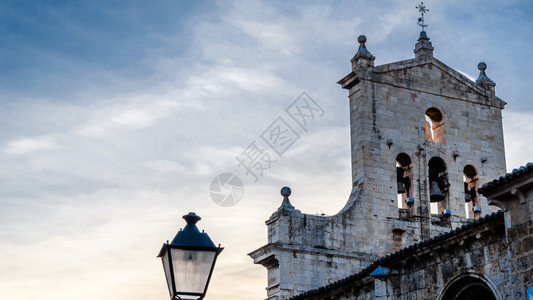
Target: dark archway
468, 288
438, 179
404, 173
435, 126
472, 203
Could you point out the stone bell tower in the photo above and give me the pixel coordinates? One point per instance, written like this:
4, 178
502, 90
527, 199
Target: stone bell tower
424, 130
423, 139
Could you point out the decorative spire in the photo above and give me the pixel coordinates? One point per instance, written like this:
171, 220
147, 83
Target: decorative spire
363, 52
423, 10
483, 79
363, 58
286, 192
423, 47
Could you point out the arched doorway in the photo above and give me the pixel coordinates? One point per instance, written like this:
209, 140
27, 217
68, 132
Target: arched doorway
469, 287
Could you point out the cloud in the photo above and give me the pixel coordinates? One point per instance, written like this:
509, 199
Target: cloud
518, 132
124, 113
113, 144
271, 36
164, 166
29, 145
133, 118
230, 80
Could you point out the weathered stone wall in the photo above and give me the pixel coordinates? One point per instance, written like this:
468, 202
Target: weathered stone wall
388, 108
387, 105
489, 258
481, 253
312, 250
521, 268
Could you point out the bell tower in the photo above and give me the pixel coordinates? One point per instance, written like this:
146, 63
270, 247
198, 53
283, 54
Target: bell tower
423, 139
422, 130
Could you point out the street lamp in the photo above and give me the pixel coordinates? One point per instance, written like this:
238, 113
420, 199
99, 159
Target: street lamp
189, 261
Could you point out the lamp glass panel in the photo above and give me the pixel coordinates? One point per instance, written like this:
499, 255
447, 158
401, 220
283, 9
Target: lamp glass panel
191, 269
166, 267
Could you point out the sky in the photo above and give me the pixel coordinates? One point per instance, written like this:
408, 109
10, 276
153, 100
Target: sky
117, 116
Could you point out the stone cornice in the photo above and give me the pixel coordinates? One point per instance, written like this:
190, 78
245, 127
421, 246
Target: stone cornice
375, 74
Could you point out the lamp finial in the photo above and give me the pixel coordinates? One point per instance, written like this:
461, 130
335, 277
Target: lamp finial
192, 218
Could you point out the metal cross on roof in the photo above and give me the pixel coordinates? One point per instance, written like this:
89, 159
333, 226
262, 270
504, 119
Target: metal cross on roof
422, 9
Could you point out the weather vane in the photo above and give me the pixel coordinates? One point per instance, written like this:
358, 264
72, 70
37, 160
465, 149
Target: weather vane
423, 10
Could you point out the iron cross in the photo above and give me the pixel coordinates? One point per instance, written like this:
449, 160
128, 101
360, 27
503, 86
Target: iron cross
423, 10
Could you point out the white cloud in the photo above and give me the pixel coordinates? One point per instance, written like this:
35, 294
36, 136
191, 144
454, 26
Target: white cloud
133, 118
114, 169
518, 134
271, 36
227, 80
131, 114
29, 145
392, 21
164, 166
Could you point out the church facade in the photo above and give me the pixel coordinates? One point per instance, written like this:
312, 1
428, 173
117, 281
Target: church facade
489, 258
423, 139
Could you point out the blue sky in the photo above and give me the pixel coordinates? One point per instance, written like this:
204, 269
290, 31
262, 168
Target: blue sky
73, 40
115, 117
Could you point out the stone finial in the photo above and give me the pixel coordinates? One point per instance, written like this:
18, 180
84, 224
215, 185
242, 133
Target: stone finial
363, 52
483, 80
286, 192
423, 48
363, 58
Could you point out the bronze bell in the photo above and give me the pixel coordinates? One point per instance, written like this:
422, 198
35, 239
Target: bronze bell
401, 189
436, 194
407, 185
467, 193
472, 194
399, 180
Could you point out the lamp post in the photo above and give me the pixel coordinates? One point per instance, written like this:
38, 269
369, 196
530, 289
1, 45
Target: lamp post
189, 261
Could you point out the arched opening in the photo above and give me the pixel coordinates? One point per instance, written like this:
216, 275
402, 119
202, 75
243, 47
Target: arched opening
404, 175
438, 184
435, 126
467, 288
472, 208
